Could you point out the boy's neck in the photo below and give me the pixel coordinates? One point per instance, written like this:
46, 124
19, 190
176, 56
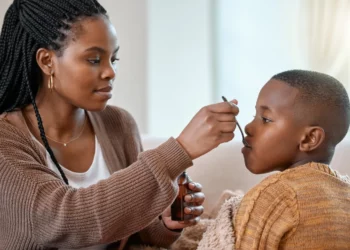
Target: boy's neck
324, 158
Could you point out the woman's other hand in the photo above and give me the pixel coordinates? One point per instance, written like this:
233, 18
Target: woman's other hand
196, 198
211, 126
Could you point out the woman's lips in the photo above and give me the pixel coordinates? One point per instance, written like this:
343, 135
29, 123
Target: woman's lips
105, 92
105, 89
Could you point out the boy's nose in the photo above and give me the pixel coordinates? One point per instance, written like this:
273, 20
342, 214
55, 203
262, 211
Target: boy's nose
248, 129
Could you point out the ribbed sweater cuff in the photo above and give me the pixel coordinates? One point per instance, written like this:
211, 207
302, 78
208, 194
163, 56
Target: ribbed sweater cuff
165, 236
175, 157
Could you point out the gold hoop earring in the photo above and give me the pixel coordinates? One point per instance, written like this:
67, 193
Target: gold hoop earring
50, 85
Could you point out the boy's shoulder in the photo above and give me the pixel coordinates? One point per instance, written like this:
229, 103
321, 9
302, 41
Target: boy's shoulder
273, 185
314, 174
299, 180
270, 192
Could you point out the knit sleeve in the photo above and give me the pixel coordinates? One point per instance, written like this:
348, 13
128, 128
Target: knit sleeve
267, 216
40, 208
156, 233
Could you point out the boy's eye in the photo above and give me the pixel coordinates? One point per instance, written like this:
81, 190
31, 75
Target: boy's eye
265, 120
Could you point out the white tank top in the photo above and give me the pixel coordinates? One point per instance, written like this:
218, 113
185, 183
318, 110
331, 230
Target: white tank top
97, 171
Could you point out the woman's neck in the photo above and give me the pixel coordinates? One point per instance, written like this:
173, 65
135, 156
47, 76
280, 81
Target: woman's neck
61, 120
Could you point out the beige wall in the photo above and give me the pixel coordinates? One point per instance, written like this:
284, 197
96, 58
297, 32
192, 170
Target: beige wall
4, 4
130, 20
180, 63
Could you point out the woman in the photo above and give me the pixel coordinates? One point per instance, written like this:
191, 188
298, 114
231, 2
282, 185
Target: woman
71, 171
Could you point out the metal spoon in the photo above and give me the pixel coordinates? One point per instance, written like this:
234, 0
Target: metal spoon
240, 129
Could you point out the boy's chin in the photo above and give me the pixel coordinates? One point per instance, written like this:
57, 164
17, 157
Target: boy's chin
256, 169
251, 167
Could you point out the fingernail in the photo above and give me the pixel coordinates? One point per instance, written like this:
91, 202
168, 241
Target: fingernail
189, 210
188, 198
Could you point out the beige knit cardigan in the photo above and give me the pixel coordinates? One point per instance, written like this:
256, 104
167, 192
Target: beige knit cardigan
39, 211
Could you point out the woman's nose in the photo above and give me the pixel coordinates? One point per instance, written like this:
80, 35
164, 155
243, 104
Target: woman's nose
109, 72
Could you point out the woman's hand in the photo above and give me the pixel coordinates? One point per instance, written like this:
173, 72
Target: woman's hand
211, 126
196, 198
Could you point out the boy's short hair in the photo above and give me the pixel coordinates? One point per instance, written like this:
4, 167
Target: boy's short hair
322, 99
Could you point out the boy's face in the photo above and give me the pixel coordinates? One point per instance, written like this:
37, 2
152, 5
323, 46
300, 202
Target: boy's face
274, 133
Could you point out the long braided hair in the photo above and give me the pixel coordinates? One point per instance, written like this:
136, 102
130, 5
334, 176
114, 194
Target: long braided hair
30, 25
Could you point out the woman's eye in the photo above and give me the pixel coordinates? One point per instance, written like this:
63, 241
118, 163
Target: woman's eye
114, 60
94, 61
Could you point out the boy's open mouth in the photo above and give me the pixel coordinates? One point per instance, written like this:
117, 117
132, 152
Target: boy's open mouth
246, 142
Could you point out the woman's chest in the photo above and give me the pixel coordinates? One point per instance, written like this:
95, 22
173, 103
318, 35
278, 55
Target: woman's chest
77, 156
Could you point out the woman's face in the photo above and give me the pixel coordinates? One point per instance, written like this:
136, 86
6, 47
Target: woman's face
85, 71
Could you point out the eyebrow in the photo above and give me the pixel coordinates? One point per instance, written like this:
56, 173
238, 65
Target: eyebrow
101, 50
264, 107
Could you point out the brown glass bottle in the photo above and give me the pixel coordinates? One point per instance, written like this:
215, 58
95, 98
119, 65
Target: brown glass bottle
178, 206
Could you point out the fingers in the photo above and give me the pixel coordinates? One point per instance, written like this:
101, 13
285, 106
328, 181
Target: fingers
223, 107
226, 137
225, 117
234, 101
189, 223
227, 127
226, 131
211, 126
173, 225
194, 210
224, 123
197, 198
195, 186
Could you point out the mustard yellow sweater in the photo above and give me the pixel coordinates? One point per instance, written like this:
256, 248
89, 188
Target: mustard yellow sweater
307, 207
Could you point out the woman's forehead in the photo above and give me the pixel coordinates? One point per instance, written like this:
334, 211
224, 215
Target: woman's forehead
94, 32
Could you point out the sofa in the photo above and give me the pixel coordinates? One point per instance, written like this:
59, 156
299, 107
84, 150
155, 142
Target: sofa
223, 168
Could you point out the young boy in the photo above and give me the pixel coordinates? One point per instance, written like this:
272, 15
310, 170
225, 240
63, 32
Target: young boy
300, 118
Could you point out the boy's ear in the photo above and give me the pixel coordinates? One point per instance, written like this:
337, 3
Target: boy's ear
312, 139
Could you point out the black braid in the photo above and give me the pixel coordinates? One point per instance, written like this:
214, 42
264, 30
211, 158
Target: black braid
30, 25
40, 123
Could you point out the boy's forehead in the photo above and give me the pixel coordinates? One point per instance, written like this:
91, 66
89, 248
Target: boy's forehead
277, 95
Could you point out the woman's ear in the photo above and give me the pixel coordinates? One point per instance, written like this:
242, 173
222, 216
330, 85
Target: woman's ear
312, 139
44, 58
